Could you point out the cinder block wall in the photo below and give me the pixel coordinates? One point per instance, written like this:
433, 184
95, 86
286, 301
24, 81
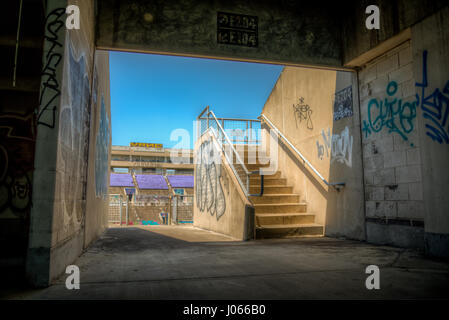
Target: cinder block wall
391, 149
405, 147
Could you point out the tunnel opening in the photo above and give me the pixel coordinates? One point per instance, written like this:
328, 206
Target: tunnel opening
348, 164
153, 164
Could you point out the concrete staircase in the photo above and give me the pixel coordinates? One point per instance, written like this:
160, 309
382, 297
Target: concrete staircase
280, 213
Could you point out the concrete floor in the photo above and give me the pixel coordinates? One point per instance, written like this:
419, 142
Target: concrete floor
167, 262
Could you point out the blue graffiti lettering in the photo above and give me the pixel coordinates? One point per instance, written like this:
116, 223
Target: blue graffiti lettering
435, 107
392, 113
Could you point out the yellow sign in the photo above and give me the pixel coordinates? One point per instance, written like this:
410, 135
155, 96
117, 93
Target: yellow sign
145, 145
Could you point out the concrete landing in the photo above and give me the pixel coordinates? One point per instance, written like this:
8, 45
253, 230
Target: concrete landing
166, 262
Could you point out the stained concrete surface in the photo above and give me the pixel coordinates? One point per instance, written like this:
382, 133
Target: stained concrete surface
169, 262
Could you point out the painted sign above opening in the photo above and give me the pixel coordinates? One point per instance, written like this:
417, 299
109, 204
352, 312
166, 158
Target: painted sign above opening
146, 145
237, 29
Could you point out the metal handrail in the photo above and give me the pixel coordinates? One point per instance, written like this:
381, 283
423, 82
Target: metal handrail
245, 188
279, 133
204, 115
229, 141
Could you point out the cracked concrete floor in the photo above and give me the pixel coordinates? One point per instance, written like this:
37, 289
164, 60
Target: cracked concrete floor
169, 262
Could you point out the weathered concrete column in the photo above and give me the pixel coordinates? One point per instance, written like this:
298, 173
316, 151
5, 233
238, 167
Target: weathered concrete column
431, 65
38, 256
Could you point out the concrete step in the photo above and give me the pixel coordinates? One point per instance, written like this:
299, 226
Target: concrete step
267, 182
280, 207
276, 198
258, 161
284, 218
289, 230
250, 167
276, 175
245, 146
276, 189
253, 167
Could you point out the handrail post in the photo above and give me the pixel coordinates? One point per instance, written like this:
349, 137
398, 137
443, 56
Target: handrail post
250, 130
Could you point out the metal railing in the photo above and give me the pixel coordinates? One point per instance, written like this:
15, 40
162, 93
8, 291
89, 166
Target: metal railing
226, 144
239, 131
336, 185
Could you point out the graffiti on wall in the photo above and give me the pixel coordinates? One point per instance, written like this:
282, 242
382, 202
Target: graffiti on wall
336, 146
101, 154
208, 190
343, 104
17, 141
390, 114
435, 107
50, 90
303, 112
73, 135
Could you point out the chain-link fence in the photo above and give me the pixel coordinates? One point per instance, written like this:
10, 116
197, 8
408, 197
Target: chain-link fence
116, 208
182, 209
150, 209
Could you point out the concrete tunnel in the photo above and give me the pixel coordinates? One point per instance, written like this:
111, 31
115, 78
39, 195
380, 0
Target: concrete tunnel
55, 118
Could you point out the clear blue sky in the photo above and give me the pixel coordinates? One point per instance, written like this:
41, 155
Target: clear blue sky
151, 95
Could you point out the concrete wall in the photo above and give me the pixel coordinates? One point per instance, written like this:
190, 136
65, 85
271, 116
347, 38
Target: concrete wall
219, 202
391, 149
301, 106
404, 107
99, 151
430, 52
289, 31
72, 149
395, 17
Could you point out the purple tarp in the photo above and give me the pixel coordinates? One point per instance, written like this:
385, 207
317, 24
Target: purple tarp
180, 181
151, 181
121, 180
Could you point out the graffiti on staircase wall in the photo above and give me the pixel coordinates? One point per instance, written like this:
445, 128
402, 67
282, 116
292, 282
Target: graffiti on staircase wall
336, 146
435, 107
391, 114
208, 189
303, 112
